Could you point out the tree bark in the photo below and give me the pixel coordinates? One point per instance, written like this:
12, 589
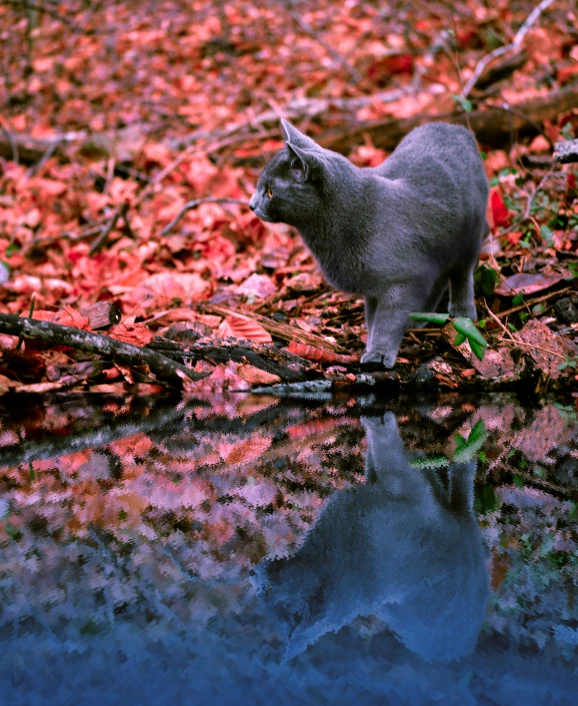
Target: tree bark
493, 126
165, 369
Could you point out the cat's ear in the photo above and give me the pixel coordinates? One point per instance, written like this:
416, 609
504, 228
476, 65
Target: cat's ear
306, 163
293, 136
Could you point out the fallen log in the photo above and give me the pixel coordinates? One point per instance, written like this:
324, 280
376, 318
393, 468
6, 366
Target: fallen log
266, 357
494, 126
165, 369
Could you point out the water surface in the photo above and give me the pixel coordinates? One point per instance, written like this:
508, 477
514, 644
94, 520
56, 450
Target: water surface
255, 550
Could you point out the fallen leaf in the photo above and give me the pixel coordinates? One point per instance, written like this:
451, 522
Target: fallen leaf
319, 355
167, 287
526, 283
66, 317
257, 376
244, 451
257, 286
499, 215
244, 328
135, 334
546, 348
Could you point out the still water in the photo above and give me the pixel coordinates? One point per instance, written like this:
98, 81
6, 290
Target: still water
257, 550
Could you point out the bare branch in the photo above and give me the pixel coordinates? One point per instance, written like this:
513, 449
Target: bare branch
500, 51
164, 368
194, 204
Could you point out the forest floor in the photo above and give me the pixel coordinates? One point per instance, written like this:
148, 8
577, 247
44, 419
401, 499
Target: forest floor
131, 139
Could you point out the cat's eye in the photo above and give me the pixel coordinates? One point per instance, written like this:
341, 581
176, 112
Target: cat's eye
269, 193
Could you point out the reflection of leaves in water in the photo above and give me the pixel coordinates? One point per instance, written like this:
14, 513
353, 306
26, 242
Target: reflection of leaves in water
466, 449
205, 494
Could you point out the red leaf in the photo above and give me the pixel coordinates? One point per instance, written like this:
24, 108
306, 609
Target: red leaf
135, 334
319, 355
243, 327
256, 376
498, 210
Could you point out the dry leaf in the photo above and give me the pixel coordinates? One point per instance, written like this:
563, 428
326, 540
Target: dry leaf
256, 376
237, 326
320, 355
135, 334
526, 283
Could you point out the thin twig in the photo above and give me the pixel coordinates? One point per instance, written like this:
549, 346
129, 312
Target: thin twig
194, 204
35, 168
500, 51
531, 197
163, 174
55, 14
120, 212
336, 56
538, 300
13, 143
515, 340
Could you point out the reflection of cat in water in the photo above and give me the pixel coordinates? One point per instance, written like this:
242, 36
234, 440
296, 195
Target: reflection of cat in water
403, 547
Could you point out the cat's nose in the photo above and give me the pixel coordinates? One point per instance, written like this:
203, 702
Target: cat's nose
252, 203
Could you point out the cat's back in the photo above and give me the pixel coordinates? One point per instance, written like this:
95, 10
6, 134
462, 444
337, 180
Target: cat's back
433, 149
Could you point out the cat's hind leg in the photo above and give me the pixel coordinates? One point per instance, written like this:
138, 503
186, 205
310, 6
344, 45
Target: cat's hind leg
370, 307
462, 293
462, 280
432, 302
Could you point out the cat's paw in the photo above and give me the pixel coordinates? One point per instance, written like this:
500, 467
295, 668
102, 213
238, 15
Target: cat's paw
459, 310
378, 359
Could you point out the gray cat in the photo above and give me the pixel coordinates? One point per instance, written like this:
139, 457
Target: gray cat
398, 234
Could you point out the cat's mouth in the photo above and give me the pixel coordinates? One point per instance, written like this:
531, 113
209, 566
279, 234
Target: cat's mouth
262, 216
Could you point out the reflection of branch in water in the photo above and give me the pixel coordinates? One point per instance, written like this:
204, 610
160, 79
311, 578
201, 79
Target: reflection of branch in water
117, 428
170, 415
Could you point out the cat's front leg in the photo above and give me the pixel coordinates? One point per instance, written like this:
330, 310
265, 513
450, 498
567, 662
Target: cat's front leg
388, 324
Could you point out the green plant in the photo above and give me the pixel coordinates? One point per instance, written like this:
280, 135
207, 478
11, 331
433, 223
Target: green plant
466, 449
464, 103
568, 363
464, 326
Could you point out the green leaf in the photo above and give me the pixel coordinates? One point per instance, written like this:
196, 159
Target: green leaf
459, 441
434, 462
547, 235
486, 278
466, 327
477, 350
478, 432
573, 267
459, 339
13, 532
464, 103
476, 439
518, 300
430, 317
